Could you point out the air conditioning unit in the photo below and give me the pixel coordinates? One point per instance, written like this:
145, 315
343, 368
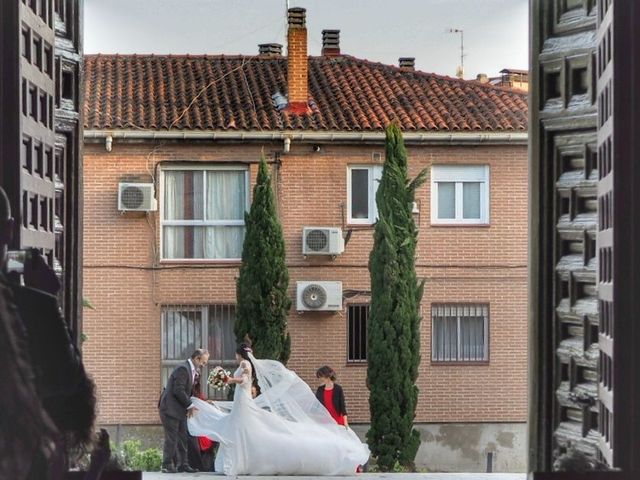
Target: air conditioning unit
136, 197
322, 241
319, 296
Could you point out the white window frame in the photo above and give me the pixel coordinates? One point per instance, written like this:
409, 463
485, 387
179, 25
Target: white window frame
460, 306
459, 174
200, 223
375, 174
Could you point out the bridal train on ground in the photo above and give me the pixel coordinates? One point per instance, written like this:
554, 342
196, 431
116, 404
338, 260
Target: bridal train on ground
283, 431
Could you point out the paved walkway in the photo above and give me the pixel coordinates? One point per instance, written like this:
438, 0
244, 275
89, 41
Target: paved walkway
362, 476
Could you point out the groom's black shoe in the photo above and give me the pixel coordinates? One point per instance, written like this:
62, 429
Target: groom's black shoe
169, 469
187, 469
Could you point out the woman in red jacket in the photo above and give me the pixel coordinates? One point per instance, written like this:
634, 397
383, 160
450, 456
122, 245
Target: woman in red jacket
330, 394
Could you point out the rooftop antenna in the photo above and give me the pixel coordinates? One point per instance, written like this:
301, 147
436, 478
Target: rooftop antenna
286, 24
460, 69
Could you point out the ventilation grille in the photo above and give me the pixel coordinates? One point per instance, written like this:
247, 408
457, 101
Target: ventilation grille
319, 295
322, 241
314, 296
137, 197
317, 240
132, 197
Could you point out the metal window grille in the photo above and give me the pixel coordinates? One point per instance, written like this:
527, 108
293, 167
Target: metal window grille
358, 318
460, 332
187, 327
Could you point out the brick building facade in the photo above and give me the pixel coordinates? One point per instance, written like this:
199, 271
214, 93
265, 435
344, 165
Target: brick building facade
200, 152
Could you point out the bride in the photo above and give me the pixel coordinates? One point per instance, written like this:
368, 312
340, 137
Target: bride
283, 431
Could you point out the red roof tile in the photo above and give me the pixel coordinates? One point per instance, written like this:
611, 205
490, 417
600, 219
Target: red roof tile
235, 93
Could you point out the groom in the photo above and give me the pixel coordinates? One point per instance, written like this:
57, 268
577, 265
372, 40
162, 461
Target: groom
175, 407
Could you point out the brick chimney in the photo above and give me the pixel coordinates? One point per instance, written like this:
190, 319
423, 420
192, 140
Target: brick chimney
331, 43
482, 78
408, 64
298, 61
270, 49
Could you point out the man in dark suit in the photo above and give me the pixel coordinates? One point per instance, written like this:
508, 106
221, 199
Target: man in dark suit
175, 407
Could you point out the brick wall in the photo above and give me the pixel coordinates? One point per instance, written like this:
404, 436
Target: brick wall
460, 264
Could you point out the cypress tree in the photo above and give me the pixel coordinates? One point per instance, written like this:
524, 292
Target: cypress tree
393, 354
263, 302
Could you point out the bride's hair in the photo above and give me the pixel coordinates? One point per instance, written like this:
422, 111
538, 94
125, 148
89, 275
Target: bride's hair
243, 350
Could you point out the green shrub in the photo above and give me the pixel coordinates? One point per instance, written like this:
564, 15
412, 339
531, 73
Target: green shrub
134, 458
149, 460
398, 468
130, 449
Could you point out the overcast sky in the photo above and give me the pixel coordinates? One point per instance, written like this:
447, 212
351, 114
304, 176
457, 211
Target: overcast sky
495, 31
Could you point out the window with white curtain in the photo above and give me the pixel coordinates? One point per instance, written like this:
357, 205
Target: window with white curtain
460, 332
187, 327
362, 185
203, 212
459, 194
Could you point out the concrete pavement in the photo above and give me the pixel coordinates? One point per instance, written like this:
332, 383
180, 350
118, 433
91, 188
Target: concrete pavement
362, 476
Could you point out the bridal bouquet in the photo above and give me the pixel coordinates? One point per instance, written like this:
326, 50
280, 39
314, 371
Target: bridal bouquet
218, 378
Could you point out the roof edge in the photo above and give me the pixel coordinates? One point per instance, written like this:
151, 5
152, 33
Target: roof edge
460, 137
341, 57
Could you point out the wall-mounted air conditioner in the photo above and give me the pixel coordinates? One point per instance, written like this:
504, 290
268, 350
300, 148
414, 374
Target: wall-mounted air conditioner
322, 241
136, 197
319, 296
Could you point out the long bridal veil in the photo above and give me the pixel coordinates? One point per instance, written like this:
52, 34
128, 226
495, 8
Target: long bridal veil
286, 417
286, 394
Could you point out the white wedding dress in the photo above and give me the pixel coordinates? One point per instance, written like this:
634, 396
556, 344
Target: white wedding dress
283, 431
